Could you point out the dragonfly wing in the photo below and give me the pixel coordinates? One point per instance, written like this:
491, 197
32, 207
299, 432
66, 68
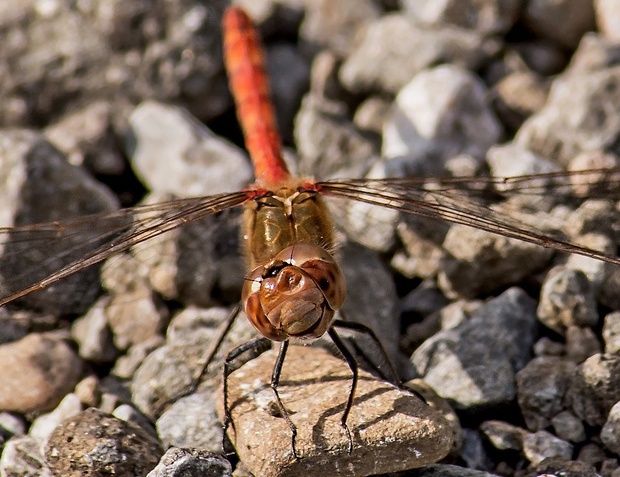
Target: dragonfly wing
471, 261
453, 203
35, 257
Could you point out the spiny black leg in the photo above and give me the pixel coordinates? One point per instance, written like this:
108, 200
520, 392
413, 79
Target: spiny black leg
215, 346
353, 366
275, 380
360, 328
257, 344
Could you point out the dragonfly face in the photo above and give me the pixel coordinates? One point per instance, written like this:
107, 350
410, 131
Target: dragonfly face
295, 285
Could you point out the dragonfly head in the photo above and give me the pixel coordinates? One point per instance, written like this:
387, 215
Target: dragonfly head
296, 294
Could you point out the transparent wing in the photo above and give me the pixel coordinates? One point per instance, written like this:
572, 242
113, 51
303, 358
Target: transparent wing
35, 257
473, 201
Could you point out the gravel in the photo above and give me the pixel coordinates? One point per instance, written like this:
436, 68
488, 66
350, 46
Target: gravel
513, 350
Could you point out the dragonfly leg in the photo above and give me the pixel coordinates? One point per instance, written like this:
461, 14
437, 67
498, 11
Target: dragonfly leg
215, 346
275, 381
395, 378
348, 356
363, 329
259, 346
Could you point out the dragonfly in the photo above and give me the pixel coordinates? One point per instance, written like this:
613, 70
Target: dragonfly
295, 286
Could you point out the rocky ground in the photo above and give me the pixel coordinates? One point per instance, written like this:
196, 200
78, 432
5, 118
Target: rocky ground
512, 351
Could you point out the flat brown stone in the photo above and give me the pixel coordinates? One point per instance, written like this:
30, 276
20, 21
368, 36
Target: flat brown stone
36, 373
392, 429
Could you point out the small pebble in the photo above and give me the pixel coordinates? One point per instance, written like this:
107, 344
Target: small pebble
38, 372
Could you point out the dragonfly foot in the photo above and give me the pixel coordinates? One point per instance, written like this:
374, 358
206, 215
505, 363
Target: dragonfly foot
349, 438
294, 448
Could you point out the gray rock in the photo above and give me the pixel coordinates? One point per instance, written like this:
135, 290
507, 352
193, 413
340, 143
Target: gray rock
474, 453
563, 21
547, 347
40, 186
441, 112
587, 185
13, 325
192, 421
513, 159
93, 335
135, 317
592, 454
608, 294
336, 24
566, 299
366, 224
421, 238
11, 425
88, 390
21, 456
457, 313
126, 51
608, 18
563, 466
542, 445
474, 364
568, 427
169, 371
128, 413
314, 387
165, 375
275, 16
608, 466
371, 298
399, 48
518, 95
593, 216
490, 17
324, 81
480, 262
446, 470
594, 53
328, 144
595, 388
184, 264
610, 433
203, 163
542, 387
289, 75
601, 275
425, 299
581, 343
543, 56
371, 114
38, 371
575, 118
127, 364
502, 435
86, 137
43, 426
191, 463
611, 333
93, 443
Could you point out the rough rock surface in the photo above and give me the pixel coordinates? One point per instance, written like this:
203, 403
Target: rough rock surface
380, 413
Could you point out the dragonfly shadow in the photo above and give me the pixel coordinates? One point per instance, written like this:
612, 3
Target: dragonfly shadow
319, 429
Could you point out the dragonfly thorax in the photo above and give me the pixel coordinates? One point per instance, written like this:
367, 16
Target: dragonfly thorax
295, 285
276, 220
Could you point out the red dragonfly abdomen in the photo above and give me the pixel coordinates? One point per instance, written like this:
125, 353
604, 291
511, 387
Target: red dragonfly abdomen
248, 81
